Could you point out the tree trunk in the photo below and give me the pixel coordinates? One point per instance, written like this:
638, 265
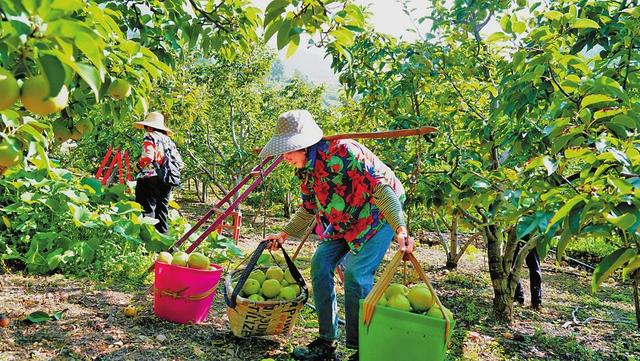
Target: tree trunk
636, 295
452, 260
451, 263
502, 301
197, 188
503, 297
287, 205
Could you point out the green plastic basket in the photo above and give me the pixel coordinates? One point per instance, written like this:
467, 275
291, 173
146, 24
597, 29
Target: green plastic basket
395, 335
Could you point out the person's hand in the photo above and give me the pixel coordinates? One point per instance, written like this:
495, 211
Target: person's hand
275, 241
405, 243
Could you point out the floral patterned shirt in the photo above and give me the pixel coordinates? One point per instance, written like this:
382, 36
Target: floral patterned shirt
338, 183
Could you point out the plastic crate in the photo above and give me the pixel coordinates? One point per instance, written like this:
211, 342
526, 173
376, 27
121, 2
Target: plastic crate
395, 335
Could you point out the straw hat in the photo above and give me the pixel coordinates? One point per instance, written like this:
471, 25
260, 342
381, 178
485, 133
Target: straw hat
295, 130
154, 120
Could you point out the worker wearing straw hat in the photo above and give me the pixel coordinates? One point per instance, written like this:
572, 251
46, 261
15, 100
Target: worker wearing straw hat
151, 192
346, 184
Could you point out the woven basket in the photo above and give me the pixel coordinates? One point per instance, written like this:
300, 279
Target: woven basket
261, 318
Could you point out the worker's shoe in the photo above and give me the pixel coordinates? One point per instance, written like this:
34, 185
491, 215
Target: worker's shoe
318, 350
537, 307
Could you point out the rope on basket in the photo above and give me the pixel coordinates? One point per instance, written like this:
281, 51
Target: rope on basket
371, 300
178, 294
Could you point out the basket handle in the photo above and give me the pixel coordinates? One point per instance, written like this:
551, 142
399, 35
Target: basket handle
295, 273
369, 303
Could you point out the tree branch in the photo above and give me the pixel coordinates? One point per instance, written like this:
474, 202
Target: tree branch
553, 78
443, 220
466, 245
209, 16
473, 219
204, 169
440, 236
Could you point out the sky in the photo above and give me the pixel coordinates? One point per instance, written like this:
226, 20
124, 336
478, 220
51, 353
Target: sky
386, 17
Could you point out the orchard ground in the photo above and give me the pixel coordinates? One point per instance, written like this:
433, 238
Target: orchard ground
95, 327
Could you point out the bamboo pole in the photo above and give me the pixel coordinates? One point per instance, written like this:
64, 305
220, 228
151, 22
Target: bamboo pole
377, 135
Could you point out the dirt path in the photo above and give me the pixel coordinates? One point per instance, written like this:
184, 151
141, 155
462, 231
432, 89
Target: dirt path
95, 328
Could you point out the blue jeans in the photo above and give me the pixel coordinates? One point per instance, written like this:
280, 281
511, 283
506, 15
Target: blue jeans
358, 281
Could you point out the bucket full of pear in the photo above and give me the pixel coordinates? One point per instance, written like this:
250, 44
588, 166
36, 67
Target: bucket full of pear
184, 286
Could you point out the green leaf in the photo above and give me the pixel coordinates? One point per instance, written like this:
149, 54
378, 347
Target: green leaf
608, 86
526, 226
606, 113
343, 37
573, 219
356, 15
621, 184
498, 36
271, 29
54, 71
76, 197
505, 24
565, 209
595, 98
634, 264
534, 163
585, 24
68, 5
283, 34
519, 27
31, 131
92, 184
624, 221
609, 265
38, 317
80, 214
54, 258
293, 45
518, 58
354, 28
295, 31
553, 15
88, 46
264, 260
276, 6
42, 160
543, 245
91, 76
625, 121
565, 237
58, 315
480, 184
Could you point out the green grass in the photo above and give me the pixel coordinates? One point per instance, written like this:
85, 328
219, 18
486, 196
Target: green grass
550, 348
594, 247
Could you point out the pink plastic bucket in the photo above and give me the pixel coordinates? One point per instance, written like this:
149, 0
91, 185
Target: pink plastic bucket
182, 294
